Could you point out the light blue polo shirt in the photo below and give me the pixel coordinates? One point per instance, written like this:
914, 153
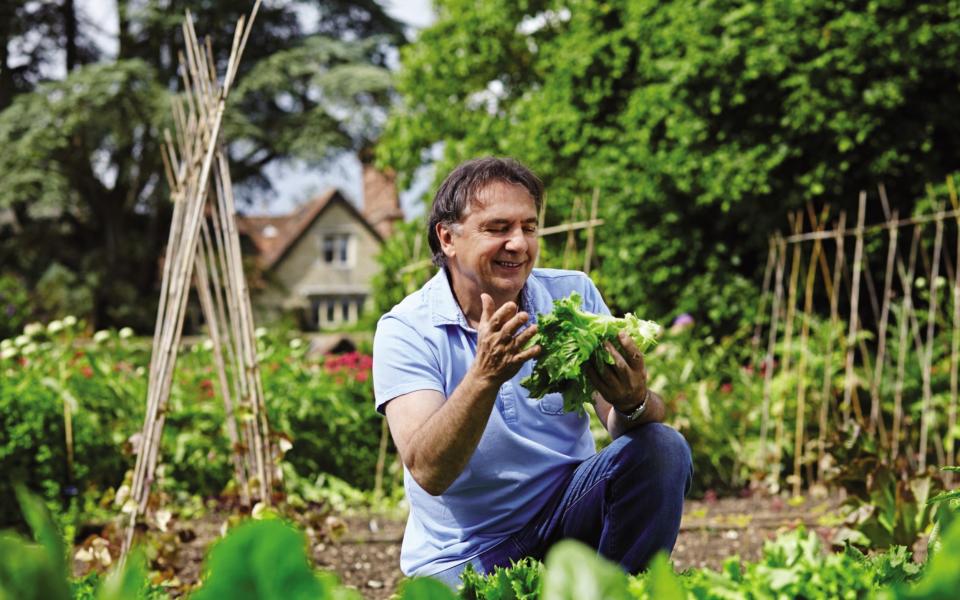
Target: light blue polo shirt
425, 343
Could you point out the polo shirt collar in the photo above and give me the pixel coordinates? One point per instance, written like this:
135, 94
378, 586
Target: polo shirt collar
445, 310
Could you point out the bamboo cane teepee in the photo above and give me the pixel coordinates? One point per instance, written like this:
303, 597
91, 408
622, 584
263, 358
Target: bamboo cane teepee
203, 251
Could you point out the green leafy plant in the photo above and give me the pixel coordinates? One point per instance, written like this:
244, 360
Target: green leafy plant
891, 509
38, 570
520, 581
570, 338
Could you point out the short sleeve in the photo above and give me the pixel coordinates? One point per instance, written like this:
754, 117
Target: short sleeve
592, 300
402, 362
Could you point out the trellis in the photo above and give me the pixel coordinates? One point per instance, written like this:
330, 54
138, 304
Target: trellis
894, 304
203, 248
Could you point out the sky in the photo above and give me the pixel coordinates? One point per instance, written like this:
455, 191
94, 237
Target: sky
293, 181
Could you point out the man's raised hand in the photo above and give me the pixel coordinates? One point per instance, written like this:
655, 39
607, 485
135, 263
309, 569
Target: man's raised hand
500, 349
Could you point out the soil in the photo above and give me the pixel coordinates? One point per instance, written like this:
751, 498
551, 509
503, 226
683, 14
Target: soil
364, 550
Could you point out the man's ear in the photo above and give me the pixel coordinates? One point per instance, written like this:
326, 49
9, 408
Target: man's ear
445, 234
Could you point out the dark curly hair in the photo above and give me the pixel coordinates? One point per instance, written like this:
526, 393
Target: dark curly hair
462, 186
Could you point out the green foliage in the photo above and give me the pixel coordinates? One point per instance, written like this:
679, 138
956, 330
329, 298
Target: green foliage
397, 278
45, 371
424, 588
891, 510
520, 581
792, 566
265, 560
715, 118
323, 406
33, 570
941, 578
60, 292
15, 309
569, 338
574, 571
39, 570
52, 131
711, 388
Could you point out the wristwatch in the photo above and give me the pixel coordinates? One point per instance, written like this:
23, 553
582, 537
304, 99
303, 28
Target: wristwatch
636, 413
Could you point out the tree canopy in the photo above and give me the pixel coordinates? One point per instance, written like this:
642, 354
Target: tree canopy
81, 168
701, 123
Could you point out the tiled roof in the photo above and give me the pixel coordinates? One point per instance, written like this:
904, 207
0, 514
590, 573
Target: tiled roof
273, 235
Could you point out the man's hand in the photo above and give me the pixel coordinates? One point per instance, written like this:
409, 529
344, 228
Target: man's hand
500, 352
624, 383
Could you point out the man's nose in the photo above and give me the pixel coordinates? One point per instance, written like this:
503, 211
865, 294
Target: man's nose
517, 242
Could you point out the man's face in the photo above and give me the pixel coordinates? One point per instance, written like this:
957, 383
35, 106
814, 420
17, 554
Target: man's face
494, 246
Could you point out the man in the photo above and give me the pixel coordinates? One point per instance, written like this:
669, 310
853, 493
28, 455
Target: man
492, 475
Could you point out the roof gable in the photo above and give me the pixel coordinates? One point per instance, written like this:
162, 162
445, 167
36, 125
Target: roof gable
275, 236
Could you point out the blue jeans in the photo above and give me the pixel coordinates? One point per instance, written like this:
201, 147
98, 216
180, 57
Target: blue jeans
626, 501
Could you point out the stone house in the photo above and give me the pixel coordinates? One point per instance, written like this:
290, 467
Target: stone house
317, 263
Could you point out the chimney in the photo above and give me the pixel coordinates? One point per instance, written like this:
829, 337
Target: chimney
381, 204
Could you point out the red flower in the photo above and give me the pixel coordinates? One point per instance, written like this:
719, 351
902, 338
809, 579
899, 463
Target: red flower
726, 388
363, 376
86, 371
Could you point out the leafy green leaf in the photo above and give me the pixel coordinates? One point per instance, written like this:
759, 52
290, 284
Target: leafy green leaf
575, 572
569, 338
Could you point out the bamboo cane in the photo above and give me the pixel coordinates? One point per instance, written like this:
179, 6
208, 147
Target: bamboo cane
854, 309
381, 460
761, 311
212, 319
788, 345
919, 220
781, 247
875, 413
571, 246
906, 281
806, 317
931, 314
588, 255
826, 392
954, 344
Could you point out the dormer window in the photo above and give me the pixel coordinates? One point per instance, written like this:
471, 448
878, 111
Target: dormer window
336, 249
269, 231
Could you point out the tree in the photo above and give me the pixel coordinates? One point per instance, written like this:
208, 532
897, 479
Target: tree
81, 163
701, 123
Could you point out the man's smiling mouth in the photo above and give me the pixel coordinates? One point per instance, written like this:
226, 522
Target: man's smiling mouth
508, 265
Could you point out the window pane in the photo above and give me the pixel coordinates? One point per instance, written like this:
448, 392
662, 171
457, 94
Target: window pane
328, 242
331, 314
345, 309
344, 243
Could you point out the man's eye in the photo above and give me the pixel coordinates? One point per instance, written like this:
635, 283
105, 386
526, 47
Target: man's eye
530, 229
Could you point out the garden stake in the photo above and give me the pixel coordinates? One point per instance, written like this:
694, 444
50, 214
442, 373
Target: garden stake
588, 256
931, 314
381, 460
875, 416
571, 246
854, 309
826, 393
781, 409
906, 282
771, 345
954, 344
806, 316
213, 324
761, 311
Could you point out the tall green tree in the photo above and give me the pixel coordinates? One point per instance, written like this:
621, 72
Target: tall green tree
81, 164
701, 123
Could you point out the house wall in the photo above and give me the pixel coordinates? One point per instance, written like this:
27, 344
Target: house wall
303, 272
